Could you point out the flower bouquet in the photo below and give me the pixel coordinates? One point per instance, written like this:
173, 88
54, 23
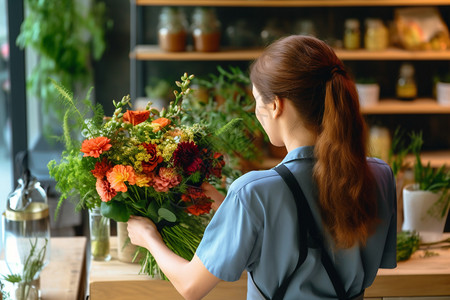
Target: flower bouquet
145, 163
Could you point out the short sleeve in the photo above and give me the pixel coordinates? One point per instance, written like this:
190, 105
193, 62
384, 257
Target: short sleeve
229, 239
389, 259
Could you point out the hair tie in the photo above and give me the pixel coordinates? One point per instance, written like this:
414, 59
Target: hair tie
336, 69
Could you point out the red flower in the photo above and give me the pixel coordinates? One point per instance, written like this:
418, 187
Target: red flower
101, 168
187, 156
197, 201
217, 165
154, 160
105, 191
135, 117
96, 146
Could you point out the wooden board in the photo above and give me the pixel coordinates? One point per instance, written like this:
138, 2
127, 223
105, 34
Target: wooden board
65, 275
419, 276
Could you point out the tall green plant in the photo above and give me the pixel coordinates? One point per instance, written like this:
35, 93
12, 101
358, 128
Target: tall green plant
232, 86
66, 35
431, 179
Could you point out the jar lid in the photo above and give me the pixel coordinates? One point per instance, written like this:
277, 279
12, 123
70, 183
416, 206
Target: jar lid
34, 211
352, 23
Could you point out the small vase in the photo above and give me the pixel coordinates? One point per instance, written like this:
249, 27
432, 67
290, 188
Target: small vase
22, 290
416, 207
125, 249
99, 233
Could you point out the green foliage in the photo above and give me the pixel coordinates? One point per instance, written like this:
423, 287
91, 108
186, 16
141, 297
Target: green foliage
66, 35
407, 244
425, 176
237, 140
398, 152
72, 180
431, 179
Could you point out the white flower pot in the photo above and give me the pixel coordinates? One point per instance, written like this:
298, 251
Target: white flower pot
369, 93
443, 93
416, 206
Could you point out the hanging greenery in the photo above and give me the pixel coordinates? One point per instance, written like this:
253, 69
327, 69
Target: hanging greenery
66, 35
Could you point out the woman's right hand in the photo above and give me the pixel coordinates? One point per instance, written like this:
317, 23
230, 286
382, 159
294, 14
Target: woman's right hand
214, 194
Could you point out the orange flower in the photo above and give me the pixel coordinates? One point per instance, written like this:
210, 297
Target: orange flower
105, 191
162, 122
135, 117
96, 146
120, 174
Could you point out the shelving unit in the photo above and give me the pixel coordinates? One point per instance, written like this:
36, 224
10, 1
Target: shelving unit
141, 52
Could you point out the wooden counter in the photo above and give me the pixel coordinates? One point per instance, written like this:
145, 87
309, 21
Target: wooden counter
64, 278
419, 276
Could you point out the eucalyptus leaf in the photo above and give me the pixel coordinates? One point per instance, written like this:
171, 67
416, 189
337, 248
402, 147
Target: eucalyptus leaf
167, 215
115, 210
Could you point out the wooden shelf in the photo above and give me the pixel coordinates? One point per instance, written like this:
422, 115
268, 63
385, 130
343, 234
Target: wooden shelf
418, 106
292, 3
153, 52
435, 158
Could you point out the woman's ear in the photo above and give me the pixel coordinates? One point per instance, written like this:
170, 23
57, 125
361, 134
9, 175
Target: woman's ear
277, 107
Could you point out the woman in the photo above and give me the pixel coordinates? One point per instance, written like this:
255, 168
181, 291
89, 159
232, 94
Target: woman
306, 102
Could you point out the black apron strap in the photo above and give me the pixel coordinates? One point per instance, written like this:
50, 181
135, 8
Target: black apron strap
306, 214
306, 225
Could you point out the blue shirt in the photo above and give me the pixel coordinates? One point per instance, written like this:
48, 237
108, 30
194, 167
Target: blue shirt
255, 229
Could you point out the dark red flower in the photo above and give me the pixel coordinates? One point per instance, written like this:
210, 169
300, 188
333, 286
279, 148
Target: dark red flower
187, 156
200, 208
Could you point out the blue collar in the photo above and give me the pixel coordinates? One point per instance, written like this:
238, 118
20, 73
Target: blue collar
304, 152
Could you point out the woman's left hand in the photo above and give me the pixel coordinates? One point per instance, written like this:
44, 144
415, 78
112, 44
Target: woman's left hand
142, 231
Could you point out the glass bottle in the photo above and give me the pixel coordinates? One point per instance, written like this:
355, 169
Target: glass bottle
376, 37
172, 29
27, 233
352, 34
206, 30
406, 84
99, 227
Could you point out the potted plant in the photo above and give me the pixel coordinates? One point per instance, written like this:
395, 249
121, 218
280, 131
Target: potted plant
443, 89
368, 91
426, 201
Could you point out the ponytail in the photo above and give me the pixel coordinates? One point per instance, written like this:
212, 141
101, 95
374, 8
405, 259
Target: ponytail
307, 72
346, 191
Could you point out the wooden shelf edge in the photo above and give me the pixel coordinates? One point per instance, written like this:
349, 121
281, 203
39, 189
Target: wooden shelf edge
153, 52
418, 106
291, 3
436, 159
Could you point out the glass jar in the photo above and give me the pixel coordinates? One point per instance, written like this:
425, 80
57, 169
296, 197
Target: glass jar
172, 29
380, 142
206, 30
406, 84
352, 34
376, 37
99, 233
27, 230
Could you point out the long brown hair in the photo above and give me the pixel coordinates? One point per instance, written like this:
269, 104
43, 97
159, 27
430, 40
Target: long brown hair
306, 71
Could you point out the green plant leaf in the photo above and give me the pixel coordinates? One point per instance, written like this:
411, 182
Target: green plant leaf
167, 215
115, 210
